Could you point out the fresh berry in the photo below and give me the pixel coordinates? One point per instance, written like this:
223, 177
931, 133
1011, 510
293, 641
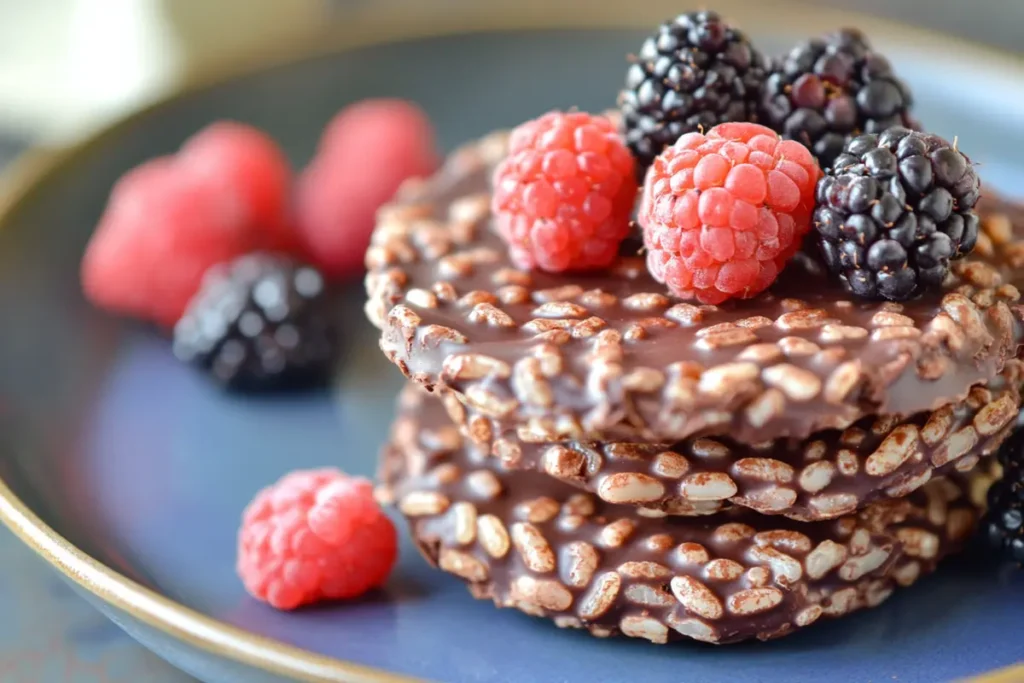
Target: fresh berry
1003, 525
564, 194
364, 155
315, 535
246, 164
692, 74
172, 218
894, 210
262, 322
830, 89
722, 213
160, 232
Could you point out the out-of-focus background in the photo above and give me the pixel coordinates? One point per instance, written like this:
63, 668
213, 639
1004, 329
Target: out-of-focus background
66, 66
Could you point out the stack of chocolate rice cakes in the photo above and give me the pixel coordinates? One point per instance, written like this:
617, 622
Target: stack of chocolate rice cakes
598, 453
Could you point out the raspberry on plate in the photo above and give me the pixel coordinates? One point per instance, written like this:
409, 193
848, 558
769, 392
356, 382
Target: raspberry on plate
894, 210
693, 73
365, 154
261, 323
246, 164
723, 213
159, 234
170, 219
829, 89
564, 194
315, 535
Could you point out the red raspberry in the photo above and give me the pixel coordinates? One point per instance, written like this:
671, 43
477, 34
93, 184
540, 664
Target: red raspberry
315, 535
170, 219
365, 153
158, 236
246, 163
723, 213
564, 194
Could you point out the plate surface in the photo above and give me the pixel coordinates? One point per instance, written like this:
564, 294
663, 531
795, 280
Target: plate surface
139, 463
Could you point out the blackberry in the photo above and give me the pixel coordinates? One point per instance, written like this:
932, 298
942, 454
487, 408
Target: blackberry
1003, 524
894, 210
260, 323
694, 72
829, 89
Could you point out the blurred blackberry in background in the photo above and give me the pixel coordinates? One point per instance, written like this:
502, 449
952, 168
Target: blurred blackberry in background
1003, 524
829, 89
894, 210
694, 72
260, 323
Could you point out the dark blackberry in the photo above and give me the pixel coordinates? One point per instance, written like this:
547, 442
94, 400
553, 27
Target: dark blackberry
1003, 524
829, 89
694, 72
262, 322
894, 210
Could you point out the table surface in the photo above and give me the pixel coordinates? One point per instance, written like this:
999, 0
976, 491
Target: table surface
49, 633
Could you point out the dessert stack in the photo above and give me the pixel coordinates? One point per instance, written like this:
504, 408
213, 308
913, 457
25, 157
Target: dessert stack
769, 399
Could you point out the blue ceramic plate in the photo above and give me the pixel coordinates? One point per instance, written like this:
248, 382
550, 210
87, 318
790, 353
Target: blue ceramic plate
128, 472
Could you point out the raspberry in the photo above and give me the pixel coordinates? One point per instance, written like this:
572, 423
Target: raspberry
262, 322
894, 210
695, 72
314, 535
365, 153
829, 89
564, 194
245, 163
158, 236
722, 213
172, 218
1003, 524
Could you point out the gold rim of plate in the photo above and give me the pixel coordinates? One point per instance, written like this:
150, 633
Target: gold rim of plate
29, 174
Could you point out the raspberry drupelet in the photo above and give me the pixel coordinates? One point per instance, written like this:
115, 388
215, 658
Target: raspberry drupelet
564, 194
722, 213
315, 535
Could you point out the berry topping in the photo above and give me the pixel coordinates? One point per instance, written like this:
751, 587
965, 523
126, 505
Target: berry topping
894, 210
170, 219
262, 322
314, 535
365, 153
722, 213
1003, 525
564, 194
693, 73
830, 89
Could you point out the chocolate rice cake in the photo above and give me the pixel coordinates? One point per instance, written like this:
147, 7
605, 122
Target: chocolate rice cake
594, 451
529, 541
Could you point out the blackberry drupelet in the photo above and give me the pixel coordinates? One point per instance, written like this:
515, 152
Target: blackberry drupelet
260, 323
1003, 525
829, 89
894, 210
692, 74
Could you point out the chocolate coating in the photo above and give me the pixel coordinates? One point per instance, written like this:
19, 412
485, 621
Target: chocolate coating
526, 540
829, 474
610, 356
